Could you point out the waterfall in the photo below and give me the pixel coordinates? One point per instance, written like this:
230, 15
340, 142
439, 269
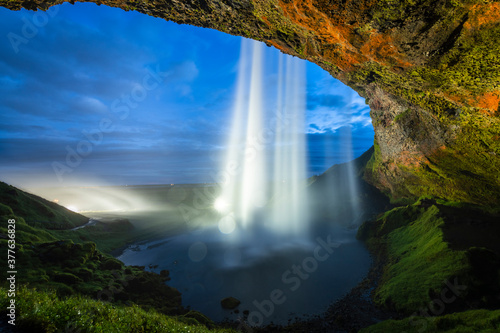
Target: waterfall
259, 190
290, 202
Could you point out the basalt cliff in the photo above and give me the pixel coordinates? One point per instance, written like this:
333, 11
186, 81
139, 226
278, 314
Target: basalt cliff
430, 71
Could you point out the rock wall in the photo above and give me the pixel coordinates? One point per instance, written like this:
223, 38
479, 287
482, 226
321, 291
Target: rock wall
430, 71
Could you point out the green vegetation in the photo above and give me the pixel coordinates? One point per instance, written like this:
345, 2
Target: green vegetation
429, 249
43, 311
403, 86
37, 211
40, 220
473, 321
108, 236
467, 169
419, 261
68, 280
390, 11
69, 268
402, 115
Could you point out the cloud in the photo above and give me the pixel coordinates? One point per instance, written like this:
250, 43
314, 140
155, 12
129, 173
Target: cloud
184, 71
86, 104
329, 118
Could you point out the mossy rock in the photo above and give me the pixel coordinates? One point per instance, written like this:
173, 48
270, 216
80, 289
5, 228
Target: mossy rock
66, 278
5, 210
165, 274
64, 291
230, 303
85, 274
110, 264
91, 289
200, 318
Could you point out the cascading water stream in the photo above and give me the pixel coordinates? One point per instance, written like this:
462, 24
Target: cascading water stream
290, 202
246, 190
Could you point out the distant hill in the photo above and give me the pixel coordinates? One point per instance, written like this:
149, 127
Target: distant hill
330, 197
37, 211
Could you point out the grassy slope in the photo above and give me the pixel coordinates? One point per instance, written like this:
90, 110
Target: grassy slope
77, 278
45, 312
420, 251
37, 211
106, 236
419, 258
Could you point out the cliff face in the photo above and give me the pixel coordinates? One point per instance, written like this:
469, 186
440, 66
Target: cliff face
430, 71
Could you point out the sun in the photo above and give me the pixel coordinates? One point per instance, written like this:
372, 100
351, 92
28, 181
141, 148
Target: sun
221, 205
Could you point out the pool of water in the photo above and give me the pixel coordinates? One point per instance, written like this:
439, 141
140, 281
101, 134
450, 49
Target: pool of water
277, 279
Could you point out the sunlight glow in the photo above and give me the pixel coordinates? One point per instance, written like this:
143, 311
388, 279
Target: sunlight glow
221, 205
72, 208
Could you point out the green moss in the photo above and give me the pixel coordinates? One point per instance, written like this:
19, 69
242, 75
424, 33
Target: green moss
418, 258
466, 171
66, 278
389, 12
198, 318
110, 264
404, 86
402, 115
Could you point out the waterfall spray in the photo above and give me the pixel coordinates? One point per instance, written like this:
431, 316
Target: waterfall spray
351, 169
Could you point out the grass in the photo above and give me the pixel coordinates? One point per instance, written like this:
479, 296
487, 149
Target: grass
107, 239
473, 321
418, 259
425, 248
51, 261
37, 211
44, 311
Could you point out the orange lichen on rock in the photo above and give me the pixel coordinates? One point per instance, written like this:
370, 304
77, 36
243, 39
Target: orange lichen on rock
306, 15
411, 159
481, 14
266, 20
380, 48
335, 32
489, 101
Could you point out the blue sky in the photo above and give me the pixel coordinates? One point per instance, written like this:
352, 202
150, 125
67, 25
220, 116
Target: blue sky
65, 74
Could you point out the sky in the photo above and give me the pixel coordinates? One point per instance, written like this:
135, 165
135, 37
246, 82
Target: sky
96, 95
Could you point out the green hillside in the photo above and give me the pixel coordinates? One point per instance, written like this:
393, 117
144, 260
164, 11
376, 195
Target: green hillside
37, 211
66, 272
